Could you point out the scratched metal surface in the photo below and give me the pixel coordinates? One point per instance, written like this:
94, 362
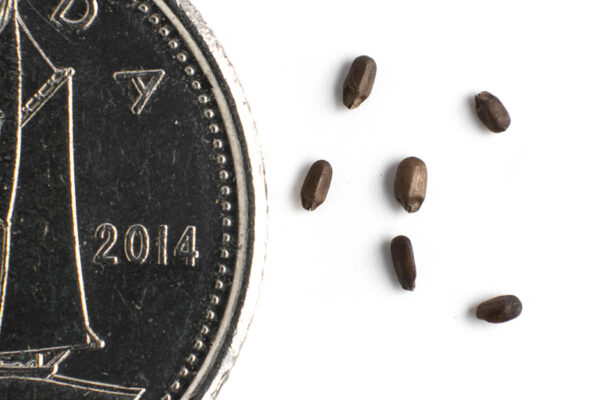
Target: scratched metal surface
130, 192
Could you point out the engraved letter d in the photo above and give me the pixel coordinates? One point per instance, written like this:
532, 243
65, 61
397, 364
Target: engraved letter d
59, 16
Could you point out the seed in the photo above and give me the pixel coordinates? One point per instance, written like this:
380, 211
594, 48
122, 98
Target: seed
404, 262
491, 112
499, 309
316, 185
359, 81
410, 185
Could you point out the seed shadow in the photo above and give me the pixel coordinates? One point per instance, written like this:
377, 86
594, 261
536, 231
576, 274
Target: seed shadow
389, 176
388, 266
470, 101
470, 314
339, 83
297, 186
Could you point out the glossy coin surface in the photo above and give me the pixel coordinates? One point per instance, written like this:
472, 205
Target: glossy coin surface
132, 202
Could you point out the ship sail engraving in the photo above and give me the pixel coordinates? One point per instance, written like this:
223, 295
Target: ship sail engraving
41, 279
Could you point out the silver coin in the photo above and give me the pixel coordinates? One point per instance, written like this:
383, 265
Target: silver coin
132, 202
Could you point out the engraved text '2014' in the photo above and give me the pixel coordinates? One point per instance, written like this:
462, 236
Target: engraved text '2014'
136, 247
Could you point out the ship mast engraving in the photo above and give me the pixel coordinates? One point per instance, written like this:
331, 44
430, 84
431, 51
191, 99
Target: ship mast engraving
43, 306
40, 263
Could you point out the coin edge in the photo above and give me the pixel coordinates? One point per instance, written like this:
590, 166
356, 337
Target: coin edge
257, 249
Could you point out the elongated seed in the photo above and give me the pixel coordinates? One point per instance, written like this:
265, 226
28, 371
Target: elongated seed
404, 262
499, 309
491, 112
410, 185
316, 185
359, 81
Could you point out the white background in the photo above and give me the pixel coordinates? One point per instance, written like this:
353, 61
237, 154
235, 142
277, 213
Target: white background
512, 213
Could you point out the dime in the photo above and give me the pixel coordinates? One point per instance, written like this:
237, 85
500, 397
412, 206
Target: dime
132, 202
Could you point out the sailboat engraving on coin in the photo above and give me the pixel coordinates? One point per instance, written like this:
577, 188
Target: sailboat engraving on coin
131, 202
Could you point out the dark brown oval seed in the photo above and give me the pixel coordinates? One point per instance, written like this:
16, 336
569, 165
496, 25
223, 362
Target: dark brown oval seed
410, 185
499, 309
359, 81
404, 262
316, 185
491, 112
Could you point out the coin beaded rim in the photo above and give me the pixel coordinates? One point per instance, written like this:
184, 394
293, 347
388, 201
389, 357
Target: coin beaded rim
178, 35
180, 54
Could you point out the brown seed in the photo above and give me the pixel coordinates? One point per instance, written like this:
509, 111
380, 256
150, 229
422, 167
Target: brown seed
359, 81
410, 185
404, 262
316, 185
492, 112
500, 309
